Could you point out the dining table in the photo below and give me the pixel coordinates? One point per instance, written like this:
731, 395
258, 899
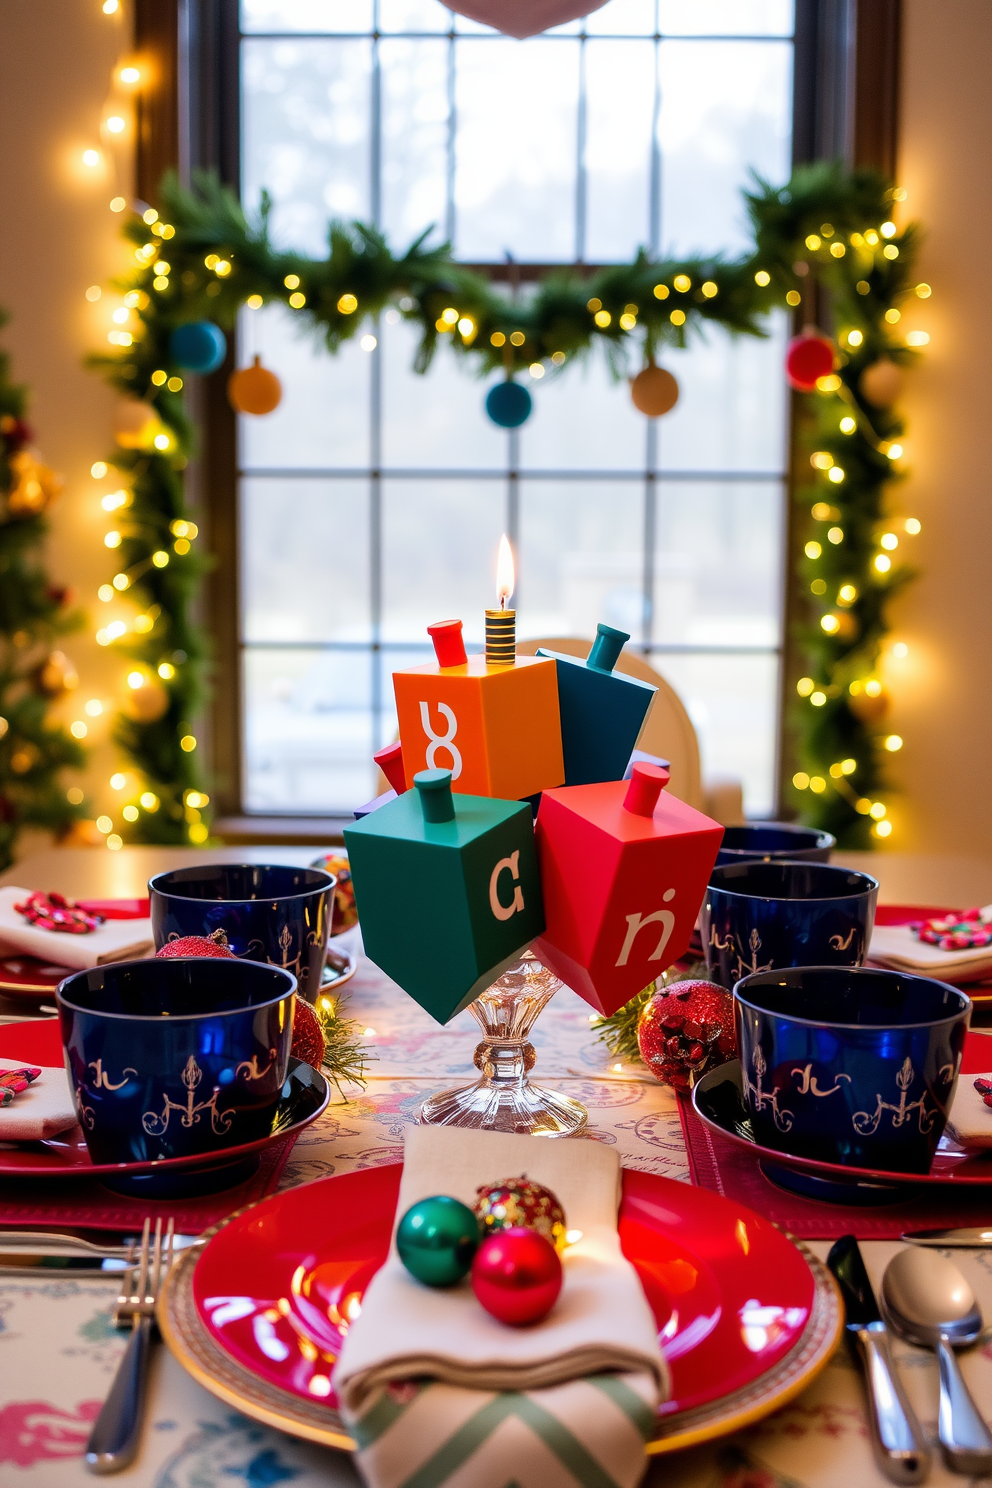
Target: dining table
59, 1348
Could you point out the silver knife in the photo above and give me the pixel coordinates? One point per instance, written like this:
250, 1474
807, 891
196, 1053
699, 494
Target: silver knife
901, 1448
948, 1238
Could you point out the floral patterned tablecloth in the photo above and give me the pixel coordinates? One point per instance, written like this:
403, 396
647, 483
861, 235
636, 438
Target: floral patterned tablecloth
58, 1349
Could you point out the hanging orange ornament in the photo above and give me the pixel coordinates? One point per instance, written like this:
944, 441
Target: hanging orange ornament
147, 703
654, 390
135, 424
55, 675
254, 389
33, 485
881, 383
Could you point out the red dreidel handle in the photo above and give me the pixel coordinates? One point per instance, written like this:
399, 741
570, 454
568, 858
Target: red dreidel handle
646, 784
449, 647
390, 762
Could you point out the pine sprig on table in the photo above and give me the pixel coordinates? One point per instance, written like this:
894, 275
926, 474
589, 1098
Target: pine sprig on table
345, 1053
619, 1031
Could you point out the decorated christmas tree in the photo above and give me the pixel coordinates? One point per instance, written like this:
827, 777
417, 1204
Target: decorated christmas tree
33, 615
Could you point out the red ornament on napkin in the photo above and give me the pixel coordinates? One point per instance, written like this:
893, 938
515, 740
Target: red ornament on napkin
56, 912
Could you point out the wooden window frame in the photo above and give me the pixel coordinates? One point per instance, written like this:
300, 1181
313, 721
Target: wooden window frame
846, 97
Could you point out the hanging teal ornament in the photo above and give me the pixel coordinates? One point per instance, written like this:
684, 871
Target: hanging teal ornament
437, 1240
508, 404
199, 346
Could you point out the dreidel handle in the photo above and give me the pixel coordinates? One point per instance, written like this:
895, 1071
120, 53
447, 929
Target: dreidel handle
449, 646
646, 784
605, 650
434, 789
390, 762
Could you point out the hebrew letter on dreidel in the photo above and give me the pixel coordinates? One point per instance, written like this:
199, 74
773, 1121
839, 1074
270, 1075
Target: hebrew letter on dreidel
442, 741
506, 911
636, 923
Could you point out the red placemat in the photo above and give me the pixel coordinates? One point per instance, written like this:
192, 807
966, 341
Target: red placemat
84, 1204
723, 1166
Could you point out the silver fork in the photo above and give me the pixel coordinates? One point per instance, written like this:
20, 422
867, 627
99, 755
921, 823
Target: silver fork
113, 1441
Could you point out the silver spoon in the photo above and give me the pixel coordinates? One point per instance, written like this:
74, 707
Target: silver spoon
926, 1299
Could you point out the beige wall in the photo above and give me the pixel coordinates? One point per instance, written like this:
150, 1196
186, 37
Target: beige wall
57, 236
942, 699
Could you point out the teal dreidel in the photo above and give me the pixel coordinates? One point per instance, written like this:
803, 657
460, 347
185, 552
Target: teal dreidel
601, 710
447, 890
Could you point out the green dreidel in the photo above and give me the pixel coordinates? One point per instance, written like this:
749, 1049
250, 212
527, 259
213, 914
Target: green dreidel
601, 710
447, 890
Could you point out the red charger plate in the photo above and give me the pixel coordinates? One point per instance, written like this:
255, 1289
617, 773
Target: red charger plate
39, 1041
746, 1317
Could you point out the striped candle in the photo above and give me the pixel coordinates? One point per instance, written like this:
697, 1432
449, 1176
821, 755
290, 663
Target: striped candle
501, 637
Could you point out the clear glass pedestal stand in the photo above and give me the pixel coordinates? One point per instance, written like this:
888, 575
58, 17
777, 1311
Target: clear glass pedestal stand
504, 1098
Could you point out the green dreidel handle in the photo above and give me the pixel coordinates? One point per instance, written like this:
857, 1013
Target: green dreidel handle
605, 651
436, 800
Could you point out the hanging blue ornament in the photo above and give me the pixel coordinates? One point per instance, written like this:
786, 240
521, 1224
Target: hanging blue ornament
508, 404
198, 346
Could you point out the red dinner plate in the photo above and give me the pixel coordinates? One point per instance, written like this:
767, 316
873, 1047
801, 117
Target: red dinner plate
39, 1041
745, 1317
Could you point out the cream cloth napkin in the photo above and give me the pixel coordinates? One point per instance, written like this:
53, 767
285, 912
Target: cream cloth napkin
114, 940
896, 947
43, 1110
438, 1392
970, 1119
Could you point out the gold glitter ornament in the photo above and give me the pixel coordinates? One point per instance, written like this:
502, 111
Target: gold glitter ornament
519, 1203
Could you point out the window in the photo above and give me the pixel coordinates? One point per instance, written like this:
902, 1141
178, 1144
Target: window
372, 501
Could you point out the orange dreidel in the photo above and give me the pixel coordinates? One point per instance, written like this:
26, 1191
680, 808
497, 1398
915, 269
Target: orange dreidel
624, 868
494, 725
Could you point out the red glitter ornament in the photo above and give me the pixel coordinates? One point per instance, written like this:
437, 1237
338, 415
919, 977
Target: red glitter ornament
308, 1036
808, 358
519, 1203
686, 1029
516, 1275
196, 945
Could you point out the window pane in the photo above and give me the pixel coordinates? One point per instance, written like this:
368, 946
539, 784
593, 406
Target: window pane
437, 421
306, 15
725, 17
323, 419
413, 15
732, 703
440, 540
392, 659
308, 730
414, 138
620, 88
306, 107
725, 111
733, 403
583, 418
718, 562
622, 18
581, 557
517, 110
304, 560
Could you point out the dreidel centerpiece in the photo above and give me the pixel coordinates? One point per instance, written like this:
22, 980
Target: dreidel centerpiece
624, 868
447, 890
601, 710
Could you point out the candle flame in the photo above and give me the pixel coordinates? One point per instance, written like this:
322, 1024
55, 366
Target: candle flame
505, 575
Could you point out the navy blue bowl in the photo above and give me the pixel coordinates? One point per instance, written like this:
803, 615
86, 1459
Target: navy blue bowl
266, 913
176, 1058
759, 915
775, 840
850, 1065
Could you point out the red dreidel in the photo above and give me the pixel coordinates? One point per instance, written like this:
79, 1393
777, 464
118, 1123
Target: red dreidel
624, 868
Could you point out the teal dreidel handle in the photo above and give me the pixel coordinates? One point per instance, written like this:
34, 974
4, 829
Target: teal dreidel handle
606, 648
436, 800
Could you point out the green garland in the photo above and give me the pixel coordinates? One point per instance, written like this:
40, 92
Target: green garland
33, 614
205, 260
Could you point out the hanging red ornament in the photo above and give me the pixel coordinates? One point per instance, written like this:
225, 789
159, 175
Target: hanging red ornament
654, 390
684, 1030
516, 1276
809, 356
519, 1203
254, 389
308, 1036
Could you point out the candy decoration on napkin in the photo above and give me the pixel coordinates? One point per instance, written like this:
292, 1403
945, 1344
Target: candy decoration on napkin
56, 912
42, 1108
437, 1391
951, 946
957, 932
13, 1081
